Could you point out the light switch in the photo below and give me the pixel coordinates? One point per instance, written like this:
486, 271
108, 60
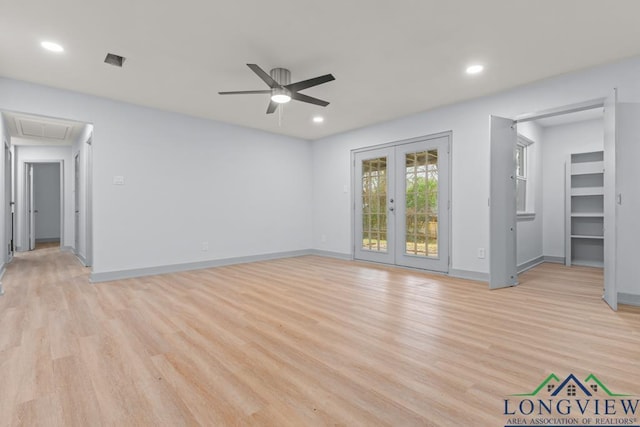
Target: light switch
118, 180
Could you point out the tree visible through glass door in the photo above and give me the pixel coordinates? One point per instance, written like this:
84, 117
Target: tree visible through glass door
374, 204
421, 203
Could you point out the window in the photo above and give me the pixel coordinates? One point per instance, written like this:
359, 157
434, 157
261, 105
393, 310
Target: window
524, 179
521, 177
571, 390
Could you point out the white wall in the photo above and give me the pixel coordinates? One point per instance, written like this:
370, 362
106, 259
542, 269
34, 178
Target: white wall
469, 122
29, 153
557, 144
529, 230
187, 180
46, 200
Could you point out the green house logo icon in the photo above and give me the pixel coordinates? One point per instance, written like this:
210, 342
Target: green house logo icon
571, 387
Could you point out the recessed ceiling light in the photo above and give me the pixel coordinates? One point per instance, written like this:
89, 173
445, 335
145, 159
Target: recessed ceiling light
52, 47
318, 119
475, 69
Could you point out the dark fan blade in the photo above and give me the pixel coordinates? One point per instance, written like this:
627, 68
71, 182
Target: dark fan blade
272, 107
304, 84
264, 76
242, 92
311, 100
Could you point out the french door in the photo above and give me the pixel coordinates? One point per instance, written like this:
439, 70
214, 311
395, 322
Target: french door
402, 203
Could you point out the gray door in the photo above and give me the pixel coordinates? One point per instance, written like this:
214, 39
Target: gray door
502, 204
402, 204
610, 207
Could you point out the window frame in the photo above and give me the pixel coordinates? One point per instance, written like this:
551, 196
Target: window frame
528, 213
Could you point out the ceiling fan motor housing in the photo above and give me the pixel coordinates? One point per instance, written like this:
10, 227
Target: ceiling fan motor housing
283, 77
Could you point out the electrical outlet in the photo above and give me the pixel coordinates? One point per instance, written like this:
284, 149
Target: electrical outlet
481, 253
205, 246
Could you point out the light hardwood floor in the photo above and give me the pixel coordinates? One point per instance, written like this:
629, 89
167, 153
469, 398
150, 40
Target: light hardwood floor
296, 342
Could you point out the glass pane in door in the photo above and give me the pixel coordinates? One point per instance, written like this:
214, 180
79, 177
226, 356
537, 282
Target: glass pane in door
421, 202
374, 204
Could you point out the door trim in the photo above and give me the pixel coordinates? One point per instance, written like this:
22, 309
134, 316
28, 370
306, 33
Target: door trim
75, 159
352, 210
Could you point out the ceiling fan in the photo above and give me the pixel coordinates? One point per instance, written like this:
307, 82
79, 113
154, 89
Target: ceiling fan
281, 88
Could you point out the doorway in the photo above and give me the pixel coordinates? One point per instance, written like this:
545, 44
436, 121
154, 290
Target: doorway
34, 140
401, 214
44, 208
506, 158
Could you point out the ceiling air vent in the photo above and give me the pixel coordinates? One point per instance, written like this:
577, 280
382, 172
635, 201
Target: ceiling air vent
114, 59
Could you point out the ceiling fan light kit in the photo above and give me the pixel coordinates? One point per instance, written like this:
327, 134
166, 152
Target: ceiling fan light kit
281, 88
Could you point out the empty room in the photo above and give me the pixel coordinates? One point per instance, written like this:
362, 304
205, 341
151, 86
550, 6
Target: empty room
308, 214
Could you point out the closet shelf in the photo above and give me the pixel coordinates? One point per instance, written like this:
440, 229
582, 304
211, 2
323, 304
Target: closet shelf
586, 168
585, 236
587, 191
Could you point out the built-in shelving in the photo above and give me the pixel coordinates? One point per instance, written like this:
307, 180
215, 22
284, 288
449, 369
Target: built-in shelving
586, 168
587, 191
587, 214
586, 236
585, 209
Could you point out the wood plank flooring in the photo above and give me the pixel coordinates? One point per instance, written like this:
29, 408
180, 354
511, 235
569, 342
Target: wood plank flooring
296, 342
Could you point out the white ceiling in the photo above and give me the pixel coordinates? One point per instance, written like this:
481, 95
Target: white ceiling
390, 59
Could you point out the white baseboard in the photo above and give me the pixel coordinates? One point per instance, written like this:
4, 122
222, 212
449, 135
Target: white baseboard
3, 269
48, 240
554, 259
628, 299
329, 254
530, 264
176, 268
469, 275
